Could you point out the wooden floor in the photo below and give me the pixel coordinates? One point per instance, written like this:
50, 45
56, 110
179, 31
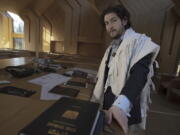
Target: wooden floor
164, 116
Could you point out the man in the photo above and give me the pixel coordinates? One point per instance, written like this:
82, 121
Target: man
125, 72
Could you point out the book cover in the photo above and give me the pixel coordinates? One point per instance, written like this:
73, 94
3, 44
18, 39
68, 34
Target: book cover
78, 73
64, 91
11, 90
77, 84
66, 117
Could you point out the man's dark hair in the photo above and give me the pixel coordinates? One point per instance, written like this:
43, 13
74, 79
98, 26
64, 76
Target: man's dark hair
120, 11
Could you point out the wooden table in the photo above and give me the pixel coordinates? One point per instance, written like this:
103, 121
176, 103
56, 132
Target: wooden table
16, 112
15, 61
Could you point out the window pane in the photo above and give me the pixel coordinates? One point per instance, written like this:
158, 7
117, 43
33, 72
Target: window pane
18, 27
18, 23
18, 43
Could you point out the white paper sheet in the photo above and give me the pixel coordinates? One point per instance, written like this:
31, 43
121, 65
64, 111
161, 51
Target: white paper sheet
48, 82
46, 95
49, 79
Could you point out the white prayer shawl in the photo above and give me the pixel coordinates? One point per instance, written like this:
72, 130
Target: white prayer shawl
133, 48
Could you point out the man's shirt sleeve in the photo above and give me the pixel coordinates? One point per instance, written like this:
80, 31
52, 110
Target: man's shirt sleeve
123, 103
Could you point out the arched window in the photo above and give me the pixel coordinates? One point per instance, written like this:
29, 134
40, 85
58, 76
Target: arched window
17, 31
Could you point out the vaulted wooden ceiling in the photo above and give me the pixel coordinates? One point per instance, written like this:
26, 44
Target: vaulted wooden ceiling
40, 5
15, 5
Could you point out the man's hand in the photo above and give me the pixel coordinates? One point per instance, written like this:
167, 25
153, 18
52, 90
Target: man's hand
120, 116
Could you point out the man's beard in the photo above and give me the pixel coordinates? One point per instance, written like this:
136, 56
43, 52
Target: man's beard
117, 36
